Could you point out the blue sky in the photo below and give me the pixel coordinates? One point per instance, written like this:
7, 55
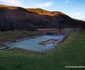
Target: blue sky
73, 8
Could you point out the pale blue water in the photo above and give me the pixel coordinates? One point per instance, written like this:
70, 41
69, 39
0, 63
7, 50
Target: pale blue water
33, 44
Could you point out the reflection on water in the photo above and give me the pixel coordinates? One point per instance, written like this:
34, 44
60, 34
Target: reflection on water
33, 44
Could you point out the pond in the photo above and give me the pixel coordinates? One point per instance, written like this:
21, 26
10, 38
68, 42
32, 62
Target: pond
35, 43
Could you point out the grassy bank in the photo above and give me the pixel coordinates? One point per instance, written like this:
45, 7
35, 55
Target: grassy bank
10, 36
70, 52
14, 35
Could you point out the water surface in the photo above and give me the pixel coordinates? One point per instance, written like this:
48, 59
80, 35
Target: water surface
33, 43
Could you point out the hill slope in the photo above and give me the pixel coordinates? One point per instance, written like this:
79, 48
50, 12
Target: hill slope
43, 12
17, 18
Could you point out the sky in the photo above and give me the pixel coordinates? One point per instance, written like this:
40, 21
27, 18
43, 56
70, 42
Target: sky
73, 8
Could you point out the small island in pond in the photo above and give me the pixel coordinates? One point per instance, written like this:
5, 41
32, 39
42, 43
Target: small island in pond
51, 41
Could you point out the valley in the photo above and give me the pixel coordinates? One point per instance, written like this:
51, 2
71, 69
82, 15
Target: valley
38, 39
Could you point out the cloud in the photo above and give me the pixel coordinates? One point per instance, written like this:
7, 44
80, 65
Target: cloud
26, 4
78, 15
38, 4
45, 4
11, 2
67, 1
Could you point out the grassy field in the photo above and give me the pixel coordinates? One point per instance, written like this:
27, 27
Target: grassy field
70, 52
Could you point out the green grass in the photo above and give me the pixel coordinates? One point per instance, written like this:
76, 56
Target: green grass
12, 36
70, 52
22, 51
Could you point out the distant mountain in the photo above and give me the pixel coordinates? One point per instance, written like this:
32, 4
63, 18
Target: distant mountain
17, 18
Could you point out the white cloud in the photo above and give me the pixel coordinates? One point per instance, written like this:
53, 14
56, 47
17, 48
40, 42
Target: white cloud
46, 4
78, 15
11, 2
24, 4
67, 1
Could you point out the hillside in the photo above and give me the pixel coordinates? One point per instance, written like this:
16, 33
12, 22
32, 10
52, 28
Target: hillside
17, 18
43, 12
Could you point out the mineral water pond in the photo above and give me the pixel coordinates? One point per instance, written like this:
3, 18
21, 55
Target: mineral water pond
34, 43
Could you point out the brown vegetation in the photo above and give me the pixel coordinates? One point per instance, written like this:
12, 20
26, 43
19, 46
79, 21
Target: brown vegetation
51, 41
